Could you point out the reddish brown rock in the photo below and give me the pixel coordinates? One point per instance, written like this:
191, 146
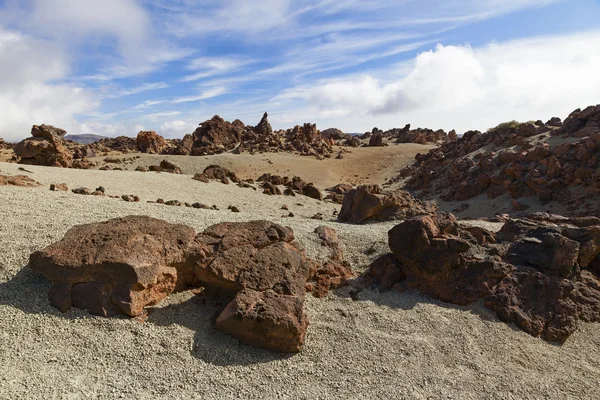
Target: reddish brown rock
530, 273
369, 202
216, 172
45, 147
62, 187
166, 166
18, 180
119, 266
151, 142
376, 140
265, 319
443, 260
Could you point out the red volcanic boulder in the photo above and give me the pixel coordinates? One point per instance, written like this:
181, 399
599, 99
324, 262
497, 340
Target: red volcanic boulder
184, 147
45, 147
265, 319
333, 133
376, 140
217, 135
119, 266
545, 305
259, 261
537, 273
443, 260
311, 191
216, 172
369, 202
334, 272
125, 264
150, 142
166, 166
18, 180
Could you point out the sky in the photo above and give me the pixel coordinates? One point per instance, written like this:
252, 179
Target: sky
115, 67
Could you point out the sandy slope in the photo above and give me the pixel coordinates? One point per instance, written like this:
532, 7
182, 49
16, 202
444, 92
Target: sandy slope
386, 345
362, 165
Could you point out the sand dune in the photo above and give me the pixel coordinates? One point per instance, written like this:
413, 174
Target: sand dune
386, 345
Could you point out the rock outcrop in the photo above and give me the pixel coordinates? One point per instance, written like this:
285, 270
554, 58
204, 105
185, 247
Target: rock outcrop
126, 264
549, 162
537, 272
45, 147
370, 203
150, 142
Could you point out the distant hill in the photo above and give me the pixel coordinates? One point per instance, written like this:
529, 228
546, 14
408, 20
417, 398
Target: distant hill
85, 139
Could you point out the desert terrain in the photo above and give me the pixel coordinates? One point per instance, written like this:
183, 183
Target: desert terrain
520, 290
384, 345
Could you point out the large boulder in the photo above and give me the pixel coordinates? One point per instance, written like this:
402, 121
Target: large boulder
217, 135
119, 266
269, 273
45, 147
151, 142
370, 203
376, 140
126, 264
537, 273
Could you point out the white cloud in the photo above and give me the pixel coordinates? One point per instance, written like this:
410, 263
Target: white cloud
465, 88
110, 130
113, 94
177, 128
26, 97
72, 20
211, 66
204, 95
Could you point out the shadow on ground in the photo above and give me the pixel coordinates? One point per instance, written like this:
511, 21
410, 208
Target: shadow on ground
28, 292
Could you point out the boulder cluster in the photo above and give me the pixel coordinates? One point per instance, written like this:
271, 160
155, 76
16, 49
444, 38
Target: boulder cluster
371, 203
552, 161
296, 185
217, 136
123, 265
539, 272
407, 135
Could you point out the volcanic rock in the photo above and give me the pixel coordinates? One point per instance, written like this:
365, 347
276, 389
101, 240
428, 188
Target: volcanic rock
45, 147
538, 274
119, 266
369, 202
18, 180
150, 142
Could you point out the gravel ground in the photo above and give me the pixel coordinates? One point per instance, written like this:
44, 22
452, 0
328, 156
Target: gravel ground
386, 345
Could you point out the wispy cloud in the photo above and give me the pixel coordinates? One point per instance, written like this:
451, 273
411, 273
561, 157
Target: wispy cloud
134, 90
204, 95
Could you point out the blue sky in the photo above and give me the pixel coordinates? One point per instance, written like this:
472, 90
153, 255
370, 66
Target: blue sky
115, 67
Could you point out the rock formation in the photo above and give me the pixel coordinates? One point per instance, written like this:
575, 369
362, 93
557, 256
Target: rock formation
150, 142
545, 162
370, 203
45, 147
123, 265
537, 272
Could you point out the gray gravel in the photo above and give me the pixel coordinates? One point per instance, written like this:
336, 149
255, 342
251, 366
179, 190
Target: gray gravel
385, 346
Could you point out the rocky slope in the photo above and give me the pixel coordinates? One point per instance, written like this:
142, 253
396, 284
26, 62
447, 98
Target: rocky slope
529, 164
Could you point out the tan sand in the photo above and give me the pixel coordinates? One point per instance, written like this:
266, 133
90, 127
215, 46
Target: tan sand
362, 165
386, 345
